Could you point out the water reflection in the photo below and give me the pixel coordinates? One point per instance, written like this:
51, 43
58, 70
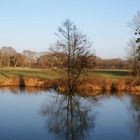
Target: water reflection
23, 90
69, 117
135, 112
113, 116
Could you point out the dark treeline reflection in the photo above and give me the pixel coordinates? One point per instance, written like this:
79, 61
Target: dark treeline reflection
135, 111
23, 90
69, 117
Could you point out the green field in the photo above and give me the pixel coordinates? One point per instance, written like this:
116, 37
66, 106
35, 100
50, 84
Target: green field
107, 73
55, 74
36, 73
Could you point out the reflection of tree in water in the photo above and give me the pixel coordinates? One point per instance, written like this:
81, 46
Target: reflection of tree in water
135, 110
69, 117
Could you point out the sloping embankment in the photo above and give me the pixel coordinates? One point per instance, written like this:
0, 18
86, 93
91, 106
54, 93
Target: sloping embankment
85, 86
27, 82
130, 84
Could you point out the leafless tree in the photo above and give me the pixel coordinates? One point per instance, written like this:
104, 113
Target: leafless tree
17, 60
135, 25
5, 54
30, 56
133, 56
8, 50
135, 46
58, 57
43, 60
76, 47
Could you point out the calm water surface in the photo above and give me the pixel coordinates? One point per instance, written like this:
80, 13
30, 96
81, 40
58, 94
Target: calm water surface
46, 115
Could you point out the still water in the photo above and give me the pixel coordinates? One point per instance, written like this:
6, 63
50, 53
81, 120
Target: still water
47, 115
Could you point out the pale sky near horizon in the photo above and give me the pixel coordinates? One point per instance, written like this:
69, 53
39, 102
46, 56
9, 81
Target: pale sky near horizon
31, 24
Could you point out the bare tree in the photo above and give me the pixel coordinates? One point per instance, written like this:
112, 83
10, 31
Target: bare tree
6, 53
17, 59
30, 56
135, 45
58, 58
133, 56
43, 61
135, 25
76, 47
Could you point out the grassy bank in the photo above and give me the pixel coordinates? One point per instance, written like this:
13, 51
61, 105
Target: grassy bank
91, 80
31, 73
56, 74
106, 74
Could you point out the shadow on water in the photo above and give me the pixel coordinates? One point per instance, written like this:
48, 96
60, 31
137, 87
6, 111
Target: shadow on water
67, 116
27, 90
21, 83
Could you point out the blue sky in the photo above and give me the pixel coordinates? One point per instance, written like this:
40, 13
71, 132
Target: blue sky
31, 24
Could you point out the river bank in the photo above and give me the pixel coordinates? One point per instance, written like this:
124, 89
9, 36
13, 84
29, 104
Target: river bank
84, 86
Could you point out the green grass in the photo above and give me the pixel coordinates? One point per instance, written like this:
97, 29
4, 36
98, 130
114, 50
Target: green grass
55, 74
107, 73
44, 74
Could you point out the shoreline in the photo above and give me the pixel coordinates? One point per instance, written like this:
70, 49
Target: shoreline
85, 86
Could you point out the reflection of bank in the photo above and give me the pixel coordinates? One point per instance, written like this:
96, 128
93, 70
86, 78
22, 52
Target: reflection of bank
21, 83
68, 117
135, 111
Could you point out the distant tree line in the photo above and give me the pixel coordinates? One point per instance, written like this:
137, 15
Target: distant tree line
113, 63
9, 57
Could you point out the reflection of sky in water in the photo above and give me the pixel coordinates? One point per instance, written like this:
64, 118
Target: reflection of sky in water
112, 120
116, 117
